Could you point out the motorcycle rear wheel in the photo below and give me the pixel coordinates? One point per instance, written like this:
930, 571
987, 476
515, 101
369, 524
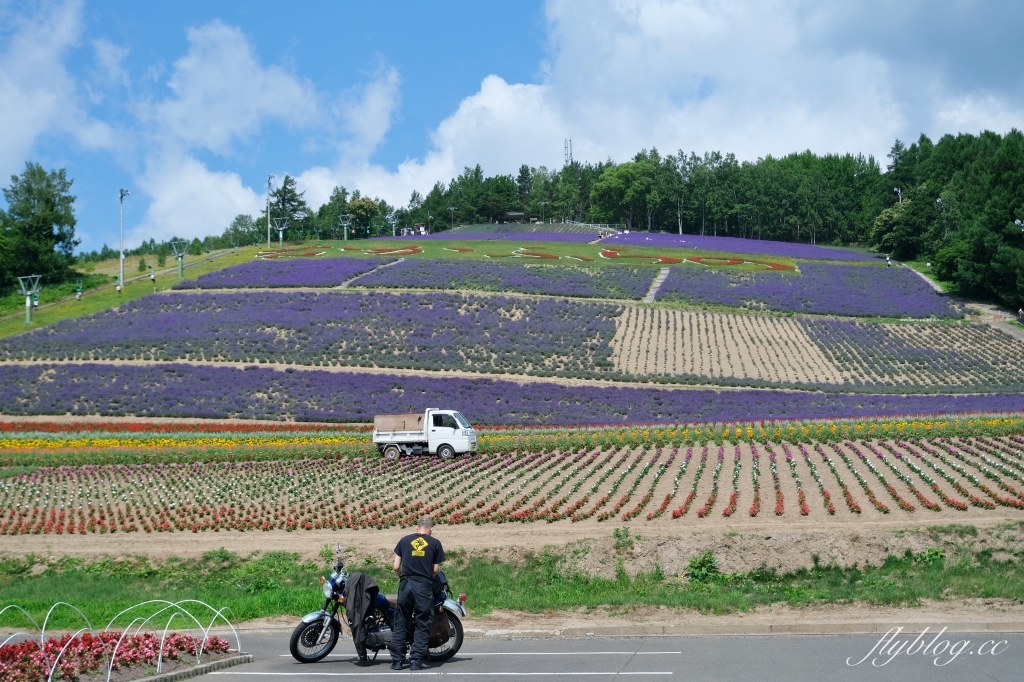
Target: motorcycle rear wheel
454, 643
304, 646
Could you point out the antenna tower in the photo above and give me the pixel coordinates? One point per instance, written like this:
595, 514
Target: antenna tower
568, 151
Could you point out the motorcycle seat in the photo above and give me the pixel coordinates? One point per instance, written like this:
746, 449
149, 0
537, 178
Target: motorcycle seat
392, 600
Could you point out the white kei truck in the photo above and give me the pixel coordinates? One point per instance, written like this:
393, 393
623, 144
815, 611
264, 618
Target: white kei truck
443, 432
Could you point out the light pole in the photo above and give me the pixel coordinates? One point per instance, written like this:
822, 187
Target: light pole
428, 222
542, 205
123, 194
452, 209
898, 193
269, 178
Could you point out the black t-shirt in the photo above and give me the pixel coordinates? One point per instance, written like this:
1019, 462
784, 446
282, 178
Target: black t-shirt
419, 554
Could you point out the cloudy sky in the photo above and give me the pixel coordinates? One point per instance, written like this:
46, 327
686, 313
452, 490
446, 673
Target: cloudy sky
191, 105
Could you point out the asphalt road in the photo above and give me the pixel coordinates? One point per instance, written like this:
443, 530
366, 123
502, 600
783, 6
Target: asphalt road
764, 658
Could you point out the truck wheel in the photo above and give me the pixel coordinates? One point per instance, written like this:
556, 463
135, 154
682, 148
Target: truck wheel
392, 453
446, 452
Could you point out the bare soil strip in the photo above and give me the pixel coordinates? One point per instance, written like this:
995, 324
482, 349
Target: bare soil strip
666, 342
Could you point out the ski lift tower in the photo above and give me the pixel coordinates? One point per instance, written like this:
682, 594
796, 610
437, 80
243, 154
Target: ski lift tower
30, 288
344, 220
280, 224
180, 247
394, 222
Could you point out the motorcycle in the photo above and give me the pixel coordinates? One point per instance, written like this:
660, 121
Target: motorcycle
315, 637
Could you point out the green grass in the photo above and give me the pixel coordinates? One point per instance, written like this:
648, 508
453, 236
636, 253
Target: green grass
278, 583
479, 250
929, 272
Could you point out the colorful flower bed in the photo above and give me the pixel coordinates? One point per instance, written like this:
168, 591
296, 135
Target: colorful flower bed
822, 288
178, 390
323, 272
422, 331
87, 653
555, 280
736, 245
586, 474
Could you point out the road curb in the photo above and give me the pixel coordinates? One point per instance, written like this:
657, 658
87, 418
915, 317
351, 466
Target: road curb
649, 630
197, 670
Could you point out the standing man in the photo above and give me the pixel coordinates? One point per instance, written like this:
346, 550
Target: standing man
418, 558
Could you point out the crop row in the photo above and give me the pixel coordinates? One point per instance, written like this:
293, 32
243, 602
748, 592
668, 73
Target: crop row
198, 391
821, 288
940, 355
614, 484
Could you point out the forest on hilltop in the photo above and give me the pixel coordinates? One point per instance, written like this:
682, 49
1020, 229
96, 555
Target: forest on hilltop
953, 202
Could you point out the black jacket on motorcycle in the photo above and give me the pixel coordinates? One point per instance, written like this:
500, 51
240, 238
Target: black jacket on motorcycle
360, 593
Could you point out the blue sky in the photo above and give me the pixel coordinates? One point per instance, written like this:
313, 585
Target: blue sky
191, 104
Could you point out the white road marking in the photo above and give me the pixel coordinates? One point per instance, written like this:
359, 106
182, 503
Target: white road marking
421, 672
535, 653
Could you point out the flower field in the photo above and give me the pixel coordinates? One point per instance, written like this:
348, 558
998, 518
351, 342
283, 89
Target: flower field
429, 331
554, 280
736, 245
322, 272
934, 478
208, 391
822, 288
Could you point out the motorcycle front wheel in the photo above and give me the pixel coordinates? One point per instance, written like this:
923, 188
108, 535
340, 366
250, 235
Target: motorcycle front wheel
454, 643
306, 644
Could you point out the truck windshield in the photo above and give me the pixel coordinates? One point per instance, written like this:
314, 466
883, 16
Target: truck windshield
462, 420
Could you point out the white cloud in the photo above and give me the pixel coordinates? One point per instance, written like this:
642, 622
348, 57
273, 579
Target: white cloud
37, 96
221, 92
626, 75
110, 57
188, 200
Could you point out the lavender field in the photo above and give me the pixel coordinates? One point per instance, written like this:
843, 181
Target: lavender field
321, 272
821, 288
530, 278
420, 331
736, 245
180, 390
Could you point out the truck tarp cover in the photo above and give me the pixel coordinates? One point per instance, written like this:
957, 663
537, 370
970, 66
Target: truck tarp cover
398, 422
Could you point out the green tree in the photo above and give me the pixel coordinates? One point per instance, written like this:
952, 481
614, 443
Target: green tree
38, 226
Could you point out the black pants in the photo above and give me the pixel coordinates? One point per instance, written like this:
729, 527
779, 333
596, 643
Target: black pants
414, 596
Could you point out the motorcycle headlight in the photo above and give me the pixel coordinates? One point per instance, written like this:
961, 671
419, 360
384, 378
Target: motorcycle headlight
328, 589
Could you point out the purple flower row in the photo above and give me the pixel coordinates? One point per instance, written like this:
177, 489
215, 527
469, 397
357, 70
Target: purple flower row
303, 272
736, 245
422, 331
316, 395
823, 288
530, 278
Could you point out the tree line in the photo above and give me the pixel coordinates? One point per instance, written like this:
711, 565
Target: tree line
954, 203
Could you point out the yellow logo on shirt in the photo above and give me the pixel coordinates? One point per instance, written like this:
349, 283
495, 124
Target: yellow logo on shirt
418, 545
